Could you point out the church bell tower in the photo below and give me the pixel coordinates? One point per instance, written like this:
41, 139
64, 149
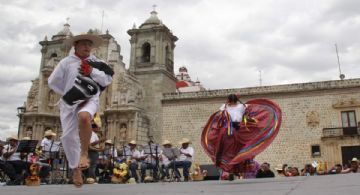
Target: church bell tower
152, 62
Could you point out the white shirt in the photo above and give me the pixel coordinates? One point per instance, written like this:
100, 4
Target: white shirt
149, 158
236, 112
109, 152
46, 144
188, 150
13, 157
63, 77
133, 153
94, 138
164, 160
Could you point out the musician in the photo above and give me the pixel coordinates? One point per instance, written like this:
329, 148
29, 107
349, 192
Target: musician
110, 153
133, 159
47, 143
94, 147
149, 159
9, 170
185, 158
12, 157
168, 160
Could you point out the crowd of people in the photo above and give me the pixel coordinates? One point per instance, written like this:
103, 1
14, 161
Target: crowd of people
254, 170
153, 163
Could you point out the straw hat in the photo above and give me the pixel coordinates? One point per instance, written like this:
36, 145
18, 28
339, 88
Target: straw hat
95, 39
133, 142
354, 159
185, 141
279, 167
12, 137
109, 141
166, 142
90, 180
49, 133
97, 120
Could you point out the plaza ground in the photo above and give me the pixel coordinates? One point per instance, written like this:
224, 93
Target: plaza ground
319, 185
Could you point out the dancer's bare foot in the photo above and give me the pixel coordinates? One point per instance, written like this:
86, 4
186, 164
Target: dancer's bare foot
77, 177
84, 162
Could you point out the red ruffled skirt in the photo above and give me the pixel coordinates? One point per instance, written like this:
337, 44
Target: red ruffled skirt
229, 147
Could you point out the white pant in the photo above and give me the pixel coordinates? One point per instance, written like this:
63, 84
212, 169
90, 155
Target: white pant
70, 137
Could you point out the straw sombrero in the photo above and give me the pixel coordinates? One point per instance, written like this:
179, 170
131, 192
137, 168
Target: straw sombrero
95, 39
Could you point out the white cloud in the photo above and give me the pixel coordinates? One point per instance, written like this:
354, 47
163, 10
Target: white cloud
223, 43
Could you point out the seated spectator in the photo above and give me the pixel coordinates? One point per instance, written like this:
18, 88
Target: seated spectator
308, 170
291, 171
354, 166
264, 171
251, 168
280, 170
337, 169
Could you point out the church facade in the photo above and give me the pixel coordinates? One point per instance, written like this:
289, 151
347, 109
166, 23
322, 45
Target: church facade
143, 103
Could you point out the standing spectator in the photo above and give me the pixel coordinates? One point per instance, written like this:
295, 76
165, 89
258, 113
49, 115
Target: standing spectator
265, 171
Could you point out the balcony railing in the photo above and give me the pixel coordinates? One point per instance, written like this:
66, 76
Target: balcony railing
341, 131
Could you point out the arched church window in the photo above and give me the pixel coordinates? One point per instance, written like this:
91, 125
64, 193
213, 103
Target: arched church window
146, 48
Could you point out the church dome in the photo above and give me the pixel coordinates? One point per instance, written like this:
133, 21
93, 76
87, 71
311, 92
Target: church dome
181, 84
64, 33
183, 69
152, 21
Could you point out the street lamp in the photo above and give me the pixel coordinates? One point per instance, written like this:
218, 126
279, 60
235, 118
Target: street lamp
20, 111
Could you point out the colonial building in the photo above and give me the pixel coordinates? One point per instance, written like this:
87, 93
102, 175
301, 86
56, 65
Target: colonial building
143, 103
184, 82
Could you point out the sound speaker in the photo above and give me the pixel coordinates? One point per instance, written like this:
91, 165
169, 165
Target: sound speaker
213, 173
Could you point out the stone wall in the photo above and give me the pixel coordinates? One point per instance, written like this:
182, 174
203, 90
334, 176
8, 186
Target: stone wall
307, 109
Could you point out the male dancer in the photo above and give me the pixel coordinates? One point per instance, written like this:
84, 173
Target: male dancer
79, 78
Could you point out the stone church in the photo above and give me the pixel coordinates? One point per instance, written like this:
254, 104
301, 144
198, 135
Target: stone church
131, 107
142, 103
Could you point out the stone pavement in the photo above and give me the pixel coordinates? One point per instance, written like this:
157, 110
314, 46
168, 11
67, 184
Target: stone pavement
318, 185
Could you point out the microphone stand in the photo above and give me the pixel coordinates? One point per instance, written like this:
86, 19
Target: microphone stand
151, 159
113, 153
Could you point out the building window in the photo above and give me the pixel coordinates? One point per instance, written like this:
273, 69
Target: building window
146, 48
315, 151
348, 119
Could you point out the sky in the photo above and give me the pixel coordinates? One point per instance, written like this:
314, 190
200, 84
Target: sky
223, 43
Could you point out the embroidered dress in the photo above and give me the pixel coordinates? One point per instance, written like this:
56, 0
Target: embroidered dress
228, 146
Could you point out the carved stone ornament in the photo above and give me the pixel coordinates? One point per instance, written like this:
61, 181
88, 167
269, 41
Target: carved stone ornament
33, 96
312, 119
345, 103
